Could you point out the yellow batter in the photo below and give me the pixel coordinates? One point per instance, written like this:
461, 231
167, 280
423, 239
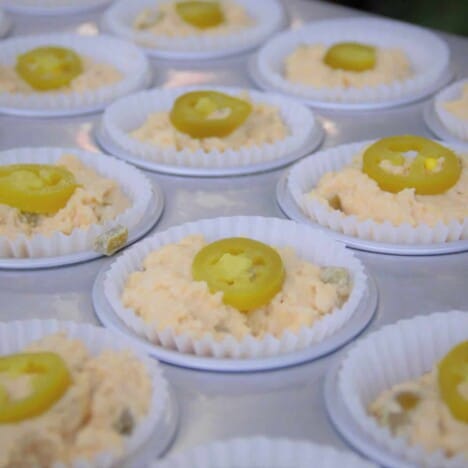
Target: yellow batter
164, 295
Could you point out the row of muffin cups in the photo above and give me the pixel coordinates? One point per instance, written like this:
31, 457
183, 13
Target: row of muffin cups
268, 17
22, 251
361, 376
208, 347
135, 71
263, 18
125, 115
130, 113
319, 249
147, 205
269, 232
367, 370
137, 187
153, 431
275, 232
365, 387
19, 334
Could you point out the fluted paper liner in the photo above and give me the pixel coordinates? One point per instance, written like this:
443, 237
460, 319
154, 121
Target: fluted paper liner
370, 368
267, 14
124, 56
129, 113
305, 175
427, 54
131, 181
308, 244
263, 452
14, 336
454, 125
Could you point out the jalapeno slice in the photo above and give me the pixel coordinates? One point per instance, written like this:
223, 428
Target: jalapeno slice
48, 68
452, 372
248, 272
204, 114
202, 15
351, 56
434, 169
50, 379
36, 188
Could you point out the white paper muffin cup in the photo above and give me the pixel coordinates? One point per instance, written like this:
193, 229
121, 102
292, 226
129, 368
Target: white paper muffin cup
131, 181
454, 125
397, 353
122, 55
267, 14
309, 244
52, 7
305, 175
129, 113
262, 452
15, 336
427, 54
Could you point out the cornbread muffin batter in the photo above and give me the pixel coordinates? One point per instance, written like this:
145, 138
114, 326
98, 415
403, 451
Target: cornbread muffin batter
421, 415
94, 76
109, 394
263, 126
165, 21
354, 193
95, 201
164, 295
459, 107
305, 66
